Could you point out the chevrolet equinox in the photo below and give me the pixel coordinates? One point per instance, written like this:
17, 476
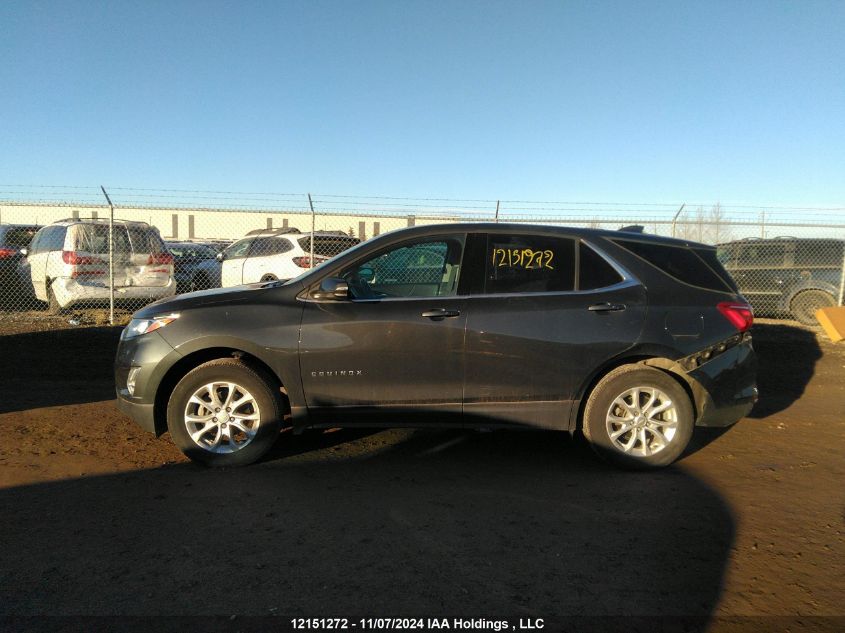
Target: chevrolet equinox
632, 339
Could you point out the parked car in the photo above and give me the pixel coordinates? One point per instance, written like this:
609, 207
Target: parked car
786, 275
13, 238
69, 263
273, 254
195, 265
633, 339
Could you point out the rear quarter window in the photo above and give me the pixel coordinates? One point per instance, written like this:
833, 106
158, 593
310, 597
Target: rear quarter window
682, 263
593, 271
327, 245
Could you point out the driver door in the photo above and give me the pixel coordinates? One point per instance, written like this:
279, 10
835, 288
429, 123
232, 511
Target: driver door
232, 268
396, 346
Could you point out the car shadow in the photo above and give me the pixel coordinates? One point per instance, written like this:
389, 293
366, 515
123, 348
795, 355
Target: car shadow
401, 523
787, 357
31, 377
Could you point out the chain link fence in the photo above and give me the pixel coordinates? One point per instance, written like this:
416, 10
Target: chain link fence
66, 252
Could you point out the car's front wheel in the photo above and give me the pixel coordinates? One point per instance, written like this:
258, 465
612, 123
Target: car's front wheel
224, 413
638, 417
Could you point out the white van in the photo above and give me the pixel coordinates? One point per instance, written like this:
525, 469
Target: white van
69, 263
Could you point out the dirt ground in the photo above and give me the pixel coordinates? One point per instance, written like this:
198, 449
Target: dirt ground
99, 518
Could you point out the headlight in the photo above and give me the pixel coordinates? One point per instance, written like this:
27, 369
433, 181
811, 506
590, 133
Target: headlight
137, 327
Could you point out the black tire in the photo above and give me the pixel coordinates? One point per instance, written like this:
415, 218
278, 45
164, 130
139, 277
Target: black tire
679, 418
804, 305
53, 306
269, 410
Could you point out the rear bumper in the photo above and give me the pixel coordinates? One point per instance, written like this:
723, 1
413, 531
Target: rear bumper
725, 388
69, 291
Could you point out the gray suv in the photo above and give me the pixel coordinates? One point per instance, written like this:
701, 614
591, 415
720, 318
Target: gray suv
632, 339
787, 275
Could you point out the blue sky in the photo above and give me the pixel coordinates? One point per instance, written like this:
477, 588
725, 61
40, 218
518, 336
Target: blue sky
603, 101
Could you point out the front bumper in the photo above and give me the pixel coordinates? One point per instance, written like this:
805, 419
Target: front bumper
153, 356
142, 413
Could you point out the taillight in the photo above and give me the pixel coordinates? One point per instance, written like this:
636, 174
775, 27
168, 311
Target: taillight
302, 262
7, 252
160, 259
75, 259
739, 314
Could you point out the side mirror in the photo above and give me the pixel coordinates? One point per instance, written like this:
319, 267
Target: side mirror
220, 256
332, 288
24, 252
367, 274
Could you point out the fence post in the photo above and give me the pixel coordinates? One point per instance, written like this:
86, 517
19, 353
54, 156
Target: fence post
496, 217
675, 219
313, 222
842, 276
111, 256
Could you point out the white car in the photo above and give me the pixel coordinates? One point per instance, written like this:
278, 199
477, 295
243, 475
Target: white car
68, 263
272, 254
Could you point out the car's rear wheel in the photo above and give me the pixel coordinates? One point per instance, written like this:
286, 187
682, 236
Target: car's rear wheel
638, 417
224, 413
804, 305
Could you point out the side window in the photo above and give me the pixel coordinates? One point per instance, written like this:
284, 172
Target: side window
34, 245
238, 249
764, 255
594, 271
428, 268
53, 239
823, 253
529, 263
679, 262
264, 246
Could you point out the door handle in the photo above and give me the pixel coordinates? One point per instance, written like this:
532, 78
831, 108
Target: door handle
440, 313
607, 307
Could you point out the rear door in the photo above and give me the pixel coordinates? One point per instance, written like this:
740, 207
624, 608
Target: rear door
150, 264
91, 244
266, 259
548, 312
763, 272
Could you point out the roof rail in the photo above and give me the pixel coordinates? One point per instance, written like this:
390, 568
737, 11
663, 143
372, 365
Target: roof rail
280, 231
98, 219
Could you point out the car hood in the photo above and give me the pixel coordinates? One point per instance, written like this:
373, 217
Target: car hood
215, 296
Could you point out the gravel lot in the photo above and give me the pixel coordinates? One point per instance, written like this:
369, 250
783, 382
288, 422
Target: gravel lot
99, 518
